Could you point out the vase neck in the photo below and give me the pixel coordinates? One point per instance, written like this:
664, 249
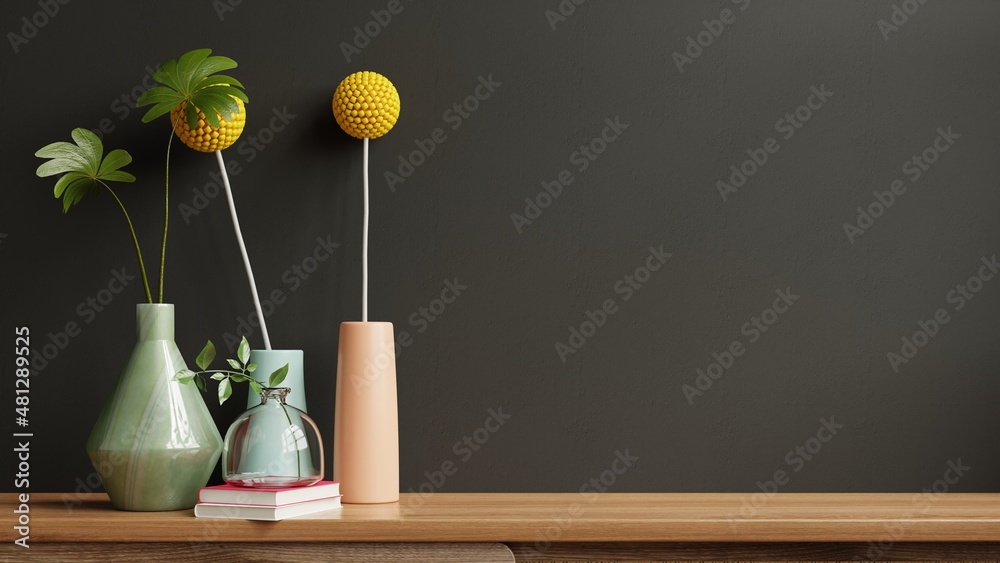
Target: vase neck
155, 321
275, 394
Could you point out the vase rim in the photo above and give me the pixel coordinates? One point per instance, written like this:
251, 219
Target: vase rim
279, 393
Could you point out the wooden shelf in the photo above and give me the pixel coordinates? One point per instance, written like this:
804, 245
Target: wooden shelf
527, 518
459, 528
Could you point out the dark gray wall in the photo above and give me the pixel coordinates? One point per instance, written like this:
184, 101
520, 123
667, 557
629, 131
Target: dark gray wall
655, 185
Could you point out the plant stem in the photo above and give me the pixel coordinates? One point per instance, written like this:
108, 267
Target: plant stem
135, 241
364, 244
166, 211
203, 373
298, 455
243, 249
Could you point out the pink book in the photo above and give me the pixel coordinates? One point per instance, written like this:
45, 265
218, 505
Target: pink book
279, 496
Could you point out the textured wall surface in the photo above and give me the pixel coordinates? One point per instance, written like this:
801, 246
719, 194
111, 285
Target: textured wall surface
707, 160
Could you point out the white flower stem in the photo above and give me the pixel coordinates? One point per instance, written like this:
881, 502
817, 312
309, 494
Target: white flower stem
243, 249
364, 245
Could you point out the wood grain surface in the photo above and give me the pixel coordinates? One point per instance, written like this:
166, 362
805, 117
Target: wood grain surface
230, 552
765, 551
539, 519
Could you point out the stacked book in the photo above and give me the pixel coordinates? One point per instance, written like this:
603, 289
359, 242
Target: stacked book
273, 504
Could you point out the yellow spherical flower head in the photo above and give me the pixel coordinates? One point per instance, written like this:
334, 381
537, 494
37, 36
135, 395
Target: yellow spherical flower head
204, 137
190, 89
366, 105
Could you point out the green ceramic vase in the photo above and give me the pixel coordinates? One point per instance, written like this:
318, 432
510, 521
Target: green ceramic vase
155, 443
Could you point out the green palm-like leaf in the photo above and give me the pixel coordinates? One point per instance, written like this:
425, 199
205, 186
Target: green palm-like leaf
220, 79
191, 60
221, 105
193, 79
167, 74
66, 180
162, 94
63, 159
83, 166
90, 144
225, 90
213, 65
62, 149
118, 176
116, 159
192, 117
76, 190
158, 110
60, 166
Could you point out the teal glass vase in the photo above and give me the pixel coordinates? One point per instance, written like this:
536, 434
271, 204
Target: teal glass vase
294, 396
273, 445
155, 443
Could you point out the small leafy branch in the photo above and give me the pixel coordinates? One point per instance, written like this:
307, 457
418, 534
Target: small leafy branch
240, 372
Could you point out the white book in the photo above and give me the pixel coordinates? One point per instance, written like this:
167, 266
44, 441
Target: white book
269, 513
231, 494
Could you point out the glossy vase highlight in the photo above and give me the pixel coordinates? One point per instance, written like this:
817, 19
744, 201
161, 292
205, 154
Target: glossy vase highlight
273, 445
366, 432
155, 443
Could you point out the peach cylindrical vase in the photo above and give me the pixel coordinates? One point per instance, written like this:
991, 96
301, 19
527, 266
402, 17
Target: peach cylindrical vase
366, 431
